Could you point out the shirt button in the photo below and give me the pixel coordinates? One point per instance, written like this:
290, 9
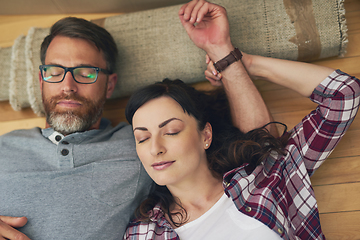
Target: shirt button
64, 152
58, 138
280, 230
248, 209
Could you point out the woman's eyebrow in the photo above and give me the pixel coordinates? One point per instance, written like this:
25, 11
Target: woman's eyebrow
140, 128
167, 121
161, 125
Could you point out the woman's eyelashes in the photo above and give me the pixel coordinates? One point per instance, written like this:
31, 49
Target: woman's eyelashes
141, 141
170, 133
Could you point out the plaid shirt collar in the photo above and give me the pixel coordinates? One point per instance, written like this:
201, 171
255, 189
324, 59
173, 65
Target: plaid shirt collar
158, 217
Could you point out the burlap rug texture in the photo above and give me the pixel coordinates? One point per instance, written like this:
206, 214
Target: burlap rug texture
153, 45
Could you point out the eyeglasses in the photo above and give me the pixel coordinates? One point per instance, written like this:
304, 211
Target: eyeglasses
84, 75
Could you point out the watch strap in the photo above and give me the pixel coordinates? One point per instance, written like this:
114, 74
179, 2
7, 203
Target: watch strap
234, 56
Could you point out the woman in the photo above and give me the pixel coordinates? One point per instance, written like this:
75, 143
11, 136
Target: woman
215, 182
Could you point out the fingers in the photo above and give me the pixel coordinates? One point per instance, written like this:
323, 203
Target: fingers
211, 68
182, 9
14, 221
193, 11
6, 228
196, 10
211, 74
207, 26
203, 10
207, 59
214, 80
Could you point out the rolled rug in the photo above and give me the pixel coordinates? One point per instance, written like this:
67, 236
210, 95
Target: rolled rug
153, 44
5, 56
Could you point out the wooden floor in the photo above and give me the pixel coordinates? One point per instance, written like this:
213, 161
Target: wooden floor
336, 183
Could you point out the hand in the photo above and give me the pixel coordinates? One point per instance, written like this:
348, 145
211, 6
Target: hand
8, 225
215, 78
208, 27
211, 74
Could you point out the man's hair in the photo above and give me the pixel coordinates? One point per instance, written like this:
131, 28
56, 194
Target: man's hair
73, 27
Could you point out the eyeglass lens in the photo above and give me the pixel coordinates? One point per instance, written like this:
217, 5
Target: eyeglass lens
81, 74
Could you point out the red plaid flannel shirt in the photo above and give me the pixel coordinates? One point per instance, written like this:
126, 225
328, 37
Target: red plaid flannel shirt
278, 192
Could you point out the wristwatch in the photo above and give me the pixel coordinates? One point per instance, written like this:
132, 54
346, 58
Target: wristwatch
229, 59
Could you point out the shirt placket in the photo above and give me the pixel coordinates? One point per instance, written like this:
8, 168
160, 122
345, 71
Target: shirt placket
64, 152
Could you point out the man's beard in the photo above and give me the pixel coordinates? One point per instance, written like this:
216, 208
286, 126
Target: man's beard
70, 121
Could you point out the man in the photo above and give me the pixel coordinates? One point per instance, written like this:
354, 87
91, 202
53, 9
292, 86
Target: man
79, 178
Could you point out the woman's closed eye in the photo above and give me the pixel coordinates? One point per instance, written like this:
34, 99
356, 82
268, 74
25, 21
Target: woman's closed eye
141, 137
172, 133
142, 140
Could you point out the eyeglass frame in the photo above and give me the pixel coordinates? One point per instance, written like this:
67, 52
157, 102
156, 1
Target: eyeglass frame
71, 70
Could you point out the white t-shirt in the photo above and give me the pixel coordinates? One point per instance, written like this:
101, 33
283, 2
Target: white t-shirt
225, 221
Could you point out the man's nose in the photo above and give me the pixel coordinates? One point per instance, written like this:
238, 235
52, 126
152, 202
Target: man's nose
69, 84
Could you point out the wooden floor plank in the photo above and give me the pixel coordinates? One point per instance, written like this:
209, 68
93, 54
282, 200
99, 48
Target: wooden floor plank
8, 113
352, 6
6, 127
337, 171
352, 21
348, 146
293, 102
115, 116
353, 50
341, 226
349, 65
338, 197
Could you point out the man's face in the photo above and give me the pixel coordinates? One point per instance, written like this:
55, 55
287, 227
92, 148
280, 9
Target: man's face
71, 106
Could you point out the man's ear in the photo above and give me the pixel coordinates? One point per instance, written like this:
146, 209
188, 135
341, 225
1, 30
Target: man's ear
111, 85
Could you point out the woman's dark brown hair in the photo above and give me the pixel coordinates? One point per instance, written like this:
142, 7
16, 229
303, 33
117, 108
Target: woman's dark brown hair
230, 148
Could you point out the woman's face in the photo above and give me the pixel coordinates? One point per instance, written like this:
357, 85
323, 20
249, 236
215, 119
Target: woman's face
168, 142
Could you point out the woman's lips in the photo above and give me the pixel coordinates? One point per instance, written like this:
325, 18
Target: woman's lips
162, 165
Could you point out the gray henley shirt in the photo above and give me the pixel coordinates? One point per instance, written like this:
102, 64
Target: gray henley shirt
82, 186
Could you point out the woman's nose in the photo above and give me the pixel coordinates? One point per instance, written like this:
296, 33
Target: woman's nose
157, 147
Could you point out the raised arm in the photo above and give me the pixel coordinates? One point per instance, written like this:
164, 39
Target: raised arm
207, 26
298, 76
335, 92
